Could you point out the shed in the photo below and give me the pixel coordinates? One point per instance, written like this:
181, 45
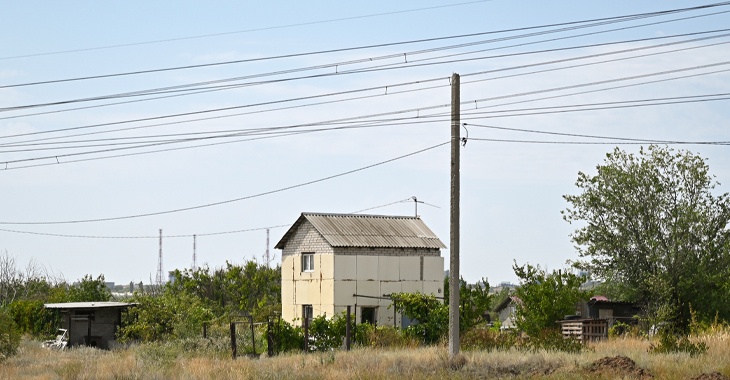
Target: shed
331, 261
91, 323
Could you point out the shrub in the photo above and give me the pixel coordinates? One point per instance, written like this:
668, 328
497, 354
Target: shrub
669, 343
386, 337
487, 339
9, 335
550, 340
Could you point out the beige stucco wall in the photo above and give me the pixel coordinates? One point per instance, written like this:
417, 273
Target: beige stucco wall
340, 273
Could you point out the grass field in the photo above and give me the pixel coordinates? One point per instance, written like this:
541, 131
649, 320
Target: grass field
618, 358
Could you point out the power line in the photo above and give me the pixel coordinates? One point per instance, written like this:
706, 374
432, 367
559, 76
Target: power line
602, 21
241, 31
296, 99
434, 87
141, 237
235, 199
194, 88
382, 114
411, 110
598, 142
178, 236
627, 139
380, 123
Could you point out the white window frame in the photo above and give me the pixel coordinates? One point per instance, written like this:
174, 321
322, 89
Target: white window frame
308, 262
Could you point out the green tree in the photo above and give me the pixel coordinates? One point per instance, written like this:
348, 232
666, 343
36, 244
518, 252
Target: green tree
9, 335
652, 227
158, 317
252, 288
89, 289
432, 315
474, 302
545, 298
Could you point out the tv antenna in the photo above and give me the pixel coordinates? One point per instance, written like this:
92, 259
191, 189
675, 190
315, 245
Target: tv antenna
416, 202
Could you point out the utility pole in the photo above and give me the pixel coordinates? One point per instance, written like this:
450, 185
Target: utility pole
159, 263
454, 236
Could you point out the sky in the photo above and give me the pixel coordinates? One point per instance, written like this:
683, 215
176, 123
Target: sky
220, 120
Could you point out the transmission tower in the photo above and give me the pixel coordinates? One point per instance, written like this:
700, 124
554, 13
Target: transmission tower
159, 263
195, 263
267, 257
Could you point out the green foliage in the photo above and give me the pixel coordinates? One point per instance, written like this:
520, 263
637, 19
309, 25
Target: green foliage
165, 316
252, 288
326, 334
655, 232
671, 343
384, 337
89, 289
9, 335
544, 298
287, 337
474, 302
31, 317
488, 339
432, 315
620, 329
550, 339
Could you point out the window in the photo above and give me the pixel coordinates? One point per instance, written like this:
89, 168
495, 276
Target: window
307, 262
307, 313
368, 314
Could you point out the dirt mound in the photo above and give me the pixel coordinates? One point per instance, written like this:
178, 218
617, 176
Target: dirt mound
711, 376
619, 365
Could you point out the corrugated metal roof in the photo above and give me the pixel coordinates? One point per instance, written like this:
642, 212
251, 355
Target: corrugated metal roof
86, 305
369, 231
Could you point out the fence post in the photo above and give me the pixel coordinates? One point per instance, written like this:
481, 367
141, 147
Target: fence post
205, 329
269, 337
253, 336
233, 339
306, 334
348, 330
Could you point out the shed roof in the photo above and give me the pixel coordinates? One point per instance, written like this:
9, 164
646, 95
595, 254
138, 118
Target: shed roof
87, 305
367, 231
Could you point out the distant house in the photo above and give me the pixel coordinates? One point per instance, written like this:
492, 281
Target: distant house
91, 323
331, 261
506, 312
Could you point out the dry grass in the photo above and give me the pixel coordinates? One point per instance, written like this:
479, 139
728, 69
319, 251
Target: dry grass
161, 362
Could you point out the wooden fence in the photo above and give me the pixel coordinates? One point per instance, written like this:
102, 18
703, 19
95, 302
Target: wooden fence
585, 330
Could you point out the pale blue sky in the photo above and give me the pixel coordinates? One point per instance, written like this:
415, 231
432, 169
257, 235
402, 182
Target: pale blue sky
511, 192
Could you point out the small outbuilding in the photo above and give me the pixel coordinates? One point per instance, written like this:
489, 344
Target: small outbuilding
92, 324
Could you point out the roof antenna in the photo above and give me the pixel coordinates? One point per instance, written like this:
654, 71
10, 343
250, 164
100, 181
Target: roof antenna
416, 202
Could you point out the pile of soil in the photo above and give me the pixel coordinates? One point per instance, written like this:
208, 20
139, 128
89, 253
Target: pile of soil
711, 376
619, 365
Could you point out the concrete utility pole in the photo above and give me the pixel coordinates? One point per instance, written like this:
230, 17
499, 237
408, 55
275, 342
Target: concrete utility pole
454, 243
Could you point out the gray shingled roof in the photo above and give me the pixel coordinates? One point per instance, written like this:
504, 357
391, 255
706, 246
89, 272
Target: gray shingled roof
370, 231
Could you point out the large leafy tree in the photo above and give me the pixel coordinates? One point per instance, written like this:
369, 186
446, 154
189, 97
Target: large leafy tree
653, 228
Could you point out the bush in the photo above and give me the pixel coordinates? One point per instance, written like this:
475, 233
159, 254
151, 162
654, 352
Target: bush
31, 317
550, 340
481, 338
670, 343
9, 335
385, 337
